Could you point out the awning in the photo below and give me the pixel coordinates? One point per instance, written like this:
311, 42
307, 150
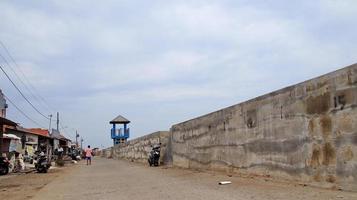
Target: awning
11, 136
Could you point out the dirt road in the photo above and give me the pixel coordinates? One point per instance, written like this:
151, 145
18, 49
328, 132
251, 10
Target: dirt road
25, 186
113, 179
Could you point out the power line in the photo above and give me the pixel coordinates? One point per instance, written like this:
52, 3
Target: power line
22, 94
63, 128
22, 112
18, 77
32, 94
41, 100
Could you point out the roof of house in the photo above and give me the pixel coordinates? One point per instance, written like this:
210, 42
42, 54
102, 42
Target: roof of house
38, 131
120, 120
34, 131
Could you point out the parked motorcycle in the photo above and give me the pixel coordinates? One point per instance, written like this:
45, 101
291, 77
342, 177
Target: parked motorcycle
4, 165
154, 156
28, 158
75, 154
42, 165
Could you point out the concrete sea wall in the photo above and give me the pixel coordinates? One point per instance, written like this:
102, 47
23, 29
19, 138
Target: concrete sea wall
138, 149
306, 132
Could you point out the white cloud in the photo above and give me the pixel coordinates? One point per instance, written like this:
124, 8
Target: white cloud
38, 34
89, 57
343, 10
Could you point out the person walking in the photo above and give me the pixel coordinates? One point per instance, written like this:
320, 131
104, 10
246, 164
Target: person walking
88, 152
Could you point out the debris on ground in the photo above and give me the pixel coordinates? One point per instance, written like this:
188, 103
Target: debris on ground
225, 182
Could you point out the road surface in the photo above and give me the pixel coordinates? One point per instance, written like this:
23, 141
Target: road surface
113, 179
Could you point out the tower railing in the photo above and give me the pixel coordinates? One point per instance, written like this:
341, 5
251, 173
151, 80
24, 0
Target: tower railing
120, 133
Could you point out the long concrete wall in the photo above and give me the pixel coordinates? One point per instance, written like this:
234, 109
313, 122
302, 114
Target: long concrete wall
138, 149
306, 132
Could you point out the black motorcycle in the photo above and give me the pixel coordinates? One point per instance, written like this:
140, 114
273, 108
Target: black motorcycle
154, 156
4, 165
42, 164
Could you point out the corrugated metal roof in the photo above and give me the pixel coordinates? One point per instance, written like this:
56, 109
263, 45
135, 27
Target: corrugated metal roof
120, 120
57, 135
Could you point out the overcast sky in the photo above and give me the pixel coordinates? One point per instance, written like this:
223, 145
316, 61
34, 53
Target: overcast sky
159, 63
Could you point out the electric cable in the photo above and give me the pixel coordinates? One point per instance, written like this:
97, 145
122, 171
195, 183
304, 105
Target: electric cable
40, 99
22, 94
22, 112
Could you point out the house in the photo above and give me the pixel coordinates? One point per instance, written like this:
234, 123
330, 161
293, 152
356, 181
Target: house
60, 141
27, 141
31, 139
8, 142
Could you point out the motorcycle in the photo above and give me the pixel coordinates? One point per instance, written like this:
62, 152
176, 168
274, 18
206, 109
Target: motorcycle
154, 156
28, 159
75, 155
4, 165
42, 164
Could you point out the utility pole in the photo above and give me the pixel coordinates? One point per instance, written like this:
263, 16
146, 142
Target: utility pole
49, 128
77, 135
57, 121
82, 143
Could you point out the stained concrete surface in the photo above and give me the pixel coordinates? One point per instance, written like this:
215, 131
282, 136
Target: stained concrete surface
304, 132
118, 179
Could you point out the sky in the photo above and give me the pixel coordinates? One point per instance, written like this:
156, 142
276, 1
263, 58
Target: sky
159, 63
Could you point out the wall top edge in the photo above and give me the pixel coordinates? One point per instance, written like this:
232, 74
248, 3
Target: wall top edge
276, 92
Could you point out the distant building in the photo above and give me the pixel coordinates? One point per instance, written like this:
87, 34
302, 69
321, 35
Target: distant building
3, 105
